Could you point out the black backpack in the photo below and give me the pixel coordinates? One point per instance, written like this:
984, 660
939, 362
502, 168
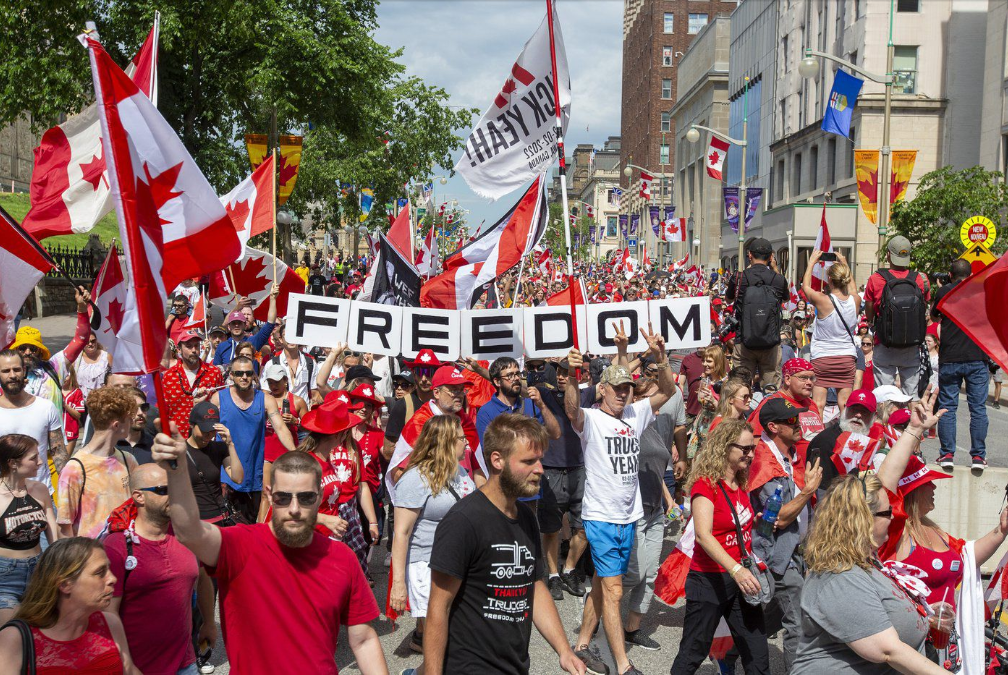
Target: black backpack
901, 319
761, 316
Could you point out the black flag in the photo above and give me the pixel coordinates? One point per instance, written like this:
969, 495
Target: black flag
394, 281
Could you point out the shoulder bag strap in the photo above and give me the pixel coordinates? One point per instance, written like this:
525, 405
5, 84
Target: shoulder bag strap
738, 525
836, 308
83, 472
27, 645
455, 494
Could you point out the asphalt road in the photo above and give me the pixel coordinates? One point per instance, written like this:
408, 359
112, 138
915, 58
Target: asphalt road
662, 622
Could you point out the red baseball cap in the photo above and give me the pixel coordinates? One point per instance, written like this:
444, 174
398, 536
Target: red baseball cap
449, 375
425, 357
901, 416
188, 335
917, 473
235, 316
863, 398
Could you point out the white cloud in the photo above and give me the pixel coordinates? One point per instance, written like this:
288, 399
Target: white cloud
467, 47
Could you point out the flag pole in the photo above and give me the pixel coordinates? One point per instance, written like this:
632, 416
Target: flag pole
563, 171
273, 181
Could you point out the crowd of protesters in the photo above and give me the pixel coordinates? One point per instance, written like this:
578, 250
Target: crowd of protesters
286, 488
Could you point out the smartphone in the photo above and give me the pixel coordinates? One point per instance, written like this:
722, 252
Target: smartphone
828, 256
286, 406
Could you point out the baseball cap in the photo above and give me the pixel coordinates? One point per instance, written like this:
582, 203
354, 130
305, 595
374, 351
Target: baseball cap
760, 247
615, 376
899, 251
608, 288
204, 415
899, 417
916, 474
217, 329
353, 372
890, 392
863, 398
778, 409
405, 375
188, 335
274, 372
235, 316
563, 365
447, 376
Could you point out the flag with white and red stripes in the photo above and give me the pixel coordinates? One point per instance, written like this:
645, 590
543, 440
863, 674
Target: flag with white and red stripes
645, 185
70, 190
824, 244
427, 257
674, 229
22, 266
716, 153
109, 296
252, 203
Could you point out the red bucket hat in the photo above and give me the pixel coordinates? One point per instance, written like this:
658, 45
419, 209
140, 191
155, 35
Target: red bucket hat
330, 419
917, 473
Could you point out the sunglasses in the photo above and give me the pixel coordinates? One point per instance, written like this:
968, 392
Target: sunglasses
399, 384
28, 348
867, 344
242, 373
746, 397
883, 514
144, 407
423, 371
789, 422
303, 498
746, 449
537, 368
161, 490
350, 353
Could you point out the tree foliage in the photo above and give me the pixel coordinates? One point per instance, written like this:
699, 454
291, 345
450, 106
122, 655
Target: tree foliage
945, 199
226, 65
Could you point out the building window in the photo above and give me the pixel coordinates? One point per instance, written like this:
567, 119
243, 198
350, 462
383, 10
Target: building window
666, 122
831, 161
905, 69
814, 168
696, 23
666, 56
610, 227
663, 153
669, 22
907, 5
780, 181
666, 89
796, 176
853, 57
858, 9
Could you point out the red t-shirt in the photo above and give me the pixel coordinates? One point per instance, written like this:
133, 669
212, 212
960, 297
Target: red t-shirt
75, 400
873, 289
161, 582
723, 527
346, 474
282, 608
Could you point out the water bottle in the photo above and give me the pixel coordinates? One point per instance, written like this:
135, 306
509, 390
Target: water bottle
765, 527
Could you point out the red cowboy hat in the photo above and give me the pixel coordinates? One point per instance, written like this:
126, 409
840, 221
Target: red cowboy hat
364, 392
330, 419
425, 357
916, 474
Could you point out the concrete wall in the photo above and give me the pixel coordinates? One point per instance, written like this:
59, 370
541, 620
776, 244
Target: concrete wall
969, 506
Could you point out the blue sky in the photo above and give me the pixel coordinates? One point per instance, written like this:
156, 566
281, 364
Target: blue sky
468, 46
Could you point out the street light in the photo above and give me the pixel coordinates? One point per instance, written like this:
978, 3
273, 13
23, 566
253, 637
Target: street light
809, 69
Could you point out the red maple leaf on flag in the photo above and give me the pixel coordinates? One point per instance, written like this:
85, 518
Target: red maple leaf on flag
94, 171
869, 187
287, 171
250, 277
116, 312
714, 157
161, 188
856, 445
238, 214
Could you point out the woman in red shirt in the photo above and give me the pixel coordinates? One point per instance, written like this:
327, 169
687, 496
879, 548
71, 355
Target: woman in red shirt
717, 580
64, 606
734, 404
370, 439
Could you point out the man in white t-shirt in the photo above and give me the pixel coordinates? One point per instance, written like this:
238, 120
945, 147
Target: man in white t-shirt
610, 438
22, 413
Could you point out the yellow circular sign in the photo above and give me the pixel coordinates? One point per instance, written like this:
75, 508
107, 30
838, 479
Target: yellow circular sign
978, 230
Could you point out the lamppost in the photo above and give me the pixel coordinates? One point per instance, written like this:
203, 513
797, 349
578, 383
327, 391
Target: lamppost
693, 135
809, 69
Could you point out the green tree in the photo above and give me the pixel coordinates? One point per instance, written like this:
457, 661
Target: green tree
226, 66
945, 198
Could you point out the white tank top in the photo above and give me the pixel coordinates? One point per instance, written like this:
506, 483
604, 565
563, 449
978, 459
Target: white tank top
829, 335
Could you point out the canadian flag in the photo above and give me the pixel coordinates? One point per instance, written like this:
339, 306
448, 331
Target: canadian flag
544, 261
645, 185
680, 264
170, 220
589, 210
647, 260
716, 152
70, 190
199, 316
626, 264
674, 229
499, 249
252, 203
253, 278
109, 295
822, 243
372, 242
427, 258
793, 298
692, 276
854, 451
399, 233
22, 266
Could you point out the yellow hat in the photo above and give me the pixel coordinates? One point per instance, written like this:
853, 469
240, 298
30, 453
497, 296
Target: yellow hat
27, 335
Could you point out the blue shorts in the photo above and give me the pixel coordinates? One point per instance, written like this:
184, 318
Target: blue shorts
14, 576
611, 545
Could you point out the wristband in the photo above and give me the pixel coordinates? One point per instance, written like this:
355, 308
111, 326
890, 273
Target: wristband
735, 570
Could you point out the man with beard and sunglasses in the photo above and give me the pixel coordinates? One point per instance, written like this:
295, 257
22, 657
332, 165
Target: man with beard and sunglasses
486, 566
285, 590
155, 574
244, 410
23, 413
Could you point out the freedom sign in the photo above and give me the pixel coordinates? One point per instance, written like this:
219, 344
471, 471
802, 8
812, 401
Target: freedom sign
515, 140
487, 334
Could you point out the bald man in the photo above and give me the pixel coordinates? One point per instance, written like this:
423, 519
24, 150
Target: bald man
155, 577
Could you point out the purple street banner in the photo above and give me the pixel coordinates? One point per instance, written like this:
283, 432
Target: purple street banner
655, 219
634, 224
753, 196
623, 225
591, 233
731, 206
669, 213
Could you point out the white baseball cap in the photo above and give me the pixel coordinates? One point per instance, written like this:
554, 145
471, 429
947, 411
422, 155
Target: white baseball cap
274, 372
889, 392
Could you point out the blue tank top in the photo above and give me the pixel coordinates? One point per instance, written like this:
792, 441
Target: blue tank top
248, 432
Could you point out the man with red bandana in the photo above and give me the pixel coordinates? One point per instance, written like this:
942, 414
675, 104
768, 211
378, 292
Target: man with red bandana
798, 379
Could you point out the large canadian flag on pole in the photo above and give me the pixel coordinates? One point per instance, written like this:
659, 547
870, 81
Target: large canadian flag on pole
22, 266
253, 278
674, 229
976, 305
171, 222
427, 258
252, 204
716, 152
822, 243
70, 190
497, 250
109, 295
515, 140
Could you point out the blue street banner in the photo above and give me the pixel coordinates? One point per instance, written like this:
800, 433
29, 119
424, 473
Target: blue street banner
669, 213
753, 196
623, 225
731, 206
655, 219
842, 99
634, 224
